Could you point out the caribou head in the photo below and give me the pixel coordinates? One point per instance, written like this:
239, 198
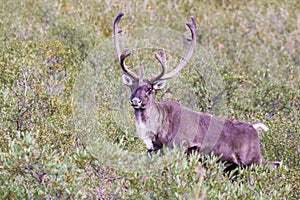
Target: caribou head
141, 88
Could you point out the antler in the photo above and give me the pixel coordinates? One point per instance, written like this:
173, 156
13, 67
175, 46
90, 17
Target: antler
162, 58
142, 73
126, 53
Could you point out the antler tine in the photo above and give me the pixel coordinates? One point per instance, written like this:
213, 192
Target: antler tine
193, 28
126, 53
162, 60
142, 74
123, 56
116, 32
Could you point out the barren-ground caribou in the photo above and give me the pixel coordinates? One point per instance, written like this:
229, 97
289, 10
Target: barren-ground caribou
169, 123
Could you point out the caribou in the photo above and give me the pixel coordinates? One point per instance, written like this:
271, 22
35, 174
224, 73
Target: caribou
169, 123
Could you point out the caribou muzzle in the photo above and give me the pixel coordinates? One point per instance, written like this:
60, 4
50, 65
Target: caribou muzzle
136, 103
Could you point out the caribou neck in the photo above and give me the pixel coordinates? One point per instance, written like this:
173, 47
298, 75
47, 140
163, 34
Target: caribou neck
149, 115
148, 125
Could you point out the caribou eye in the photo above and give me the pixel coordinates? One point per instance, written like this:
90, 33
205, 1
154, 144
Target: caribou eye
149, 90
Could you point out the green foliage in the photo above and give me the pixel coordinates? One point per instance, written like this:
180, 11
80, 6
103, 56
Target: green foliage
253, 47
35, 85
31, 171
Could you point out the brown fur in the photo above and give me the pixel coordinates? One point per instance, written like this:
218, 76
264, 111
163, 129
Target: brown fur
238, 142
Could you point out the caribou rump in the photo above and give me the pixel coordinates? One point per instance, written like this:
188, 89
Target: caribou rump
169, 123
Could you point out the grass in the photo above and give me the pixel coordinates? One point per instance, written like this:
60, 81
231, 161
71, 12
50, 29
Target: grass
67, 131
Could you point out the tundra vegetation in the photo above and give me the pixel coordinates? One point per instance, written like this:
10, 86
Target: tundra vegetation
254, 46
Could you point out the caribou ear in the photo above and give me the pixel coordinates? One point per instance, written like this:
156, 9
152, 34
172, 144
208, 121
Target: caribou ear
127, 80
159, 85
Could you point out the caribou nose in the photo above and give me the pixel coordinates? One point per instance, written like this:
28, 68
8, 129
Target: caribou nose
136, 102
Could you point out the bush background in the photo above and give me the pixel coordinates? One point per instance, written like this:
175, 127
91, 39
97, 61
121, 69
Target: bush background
255, 46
